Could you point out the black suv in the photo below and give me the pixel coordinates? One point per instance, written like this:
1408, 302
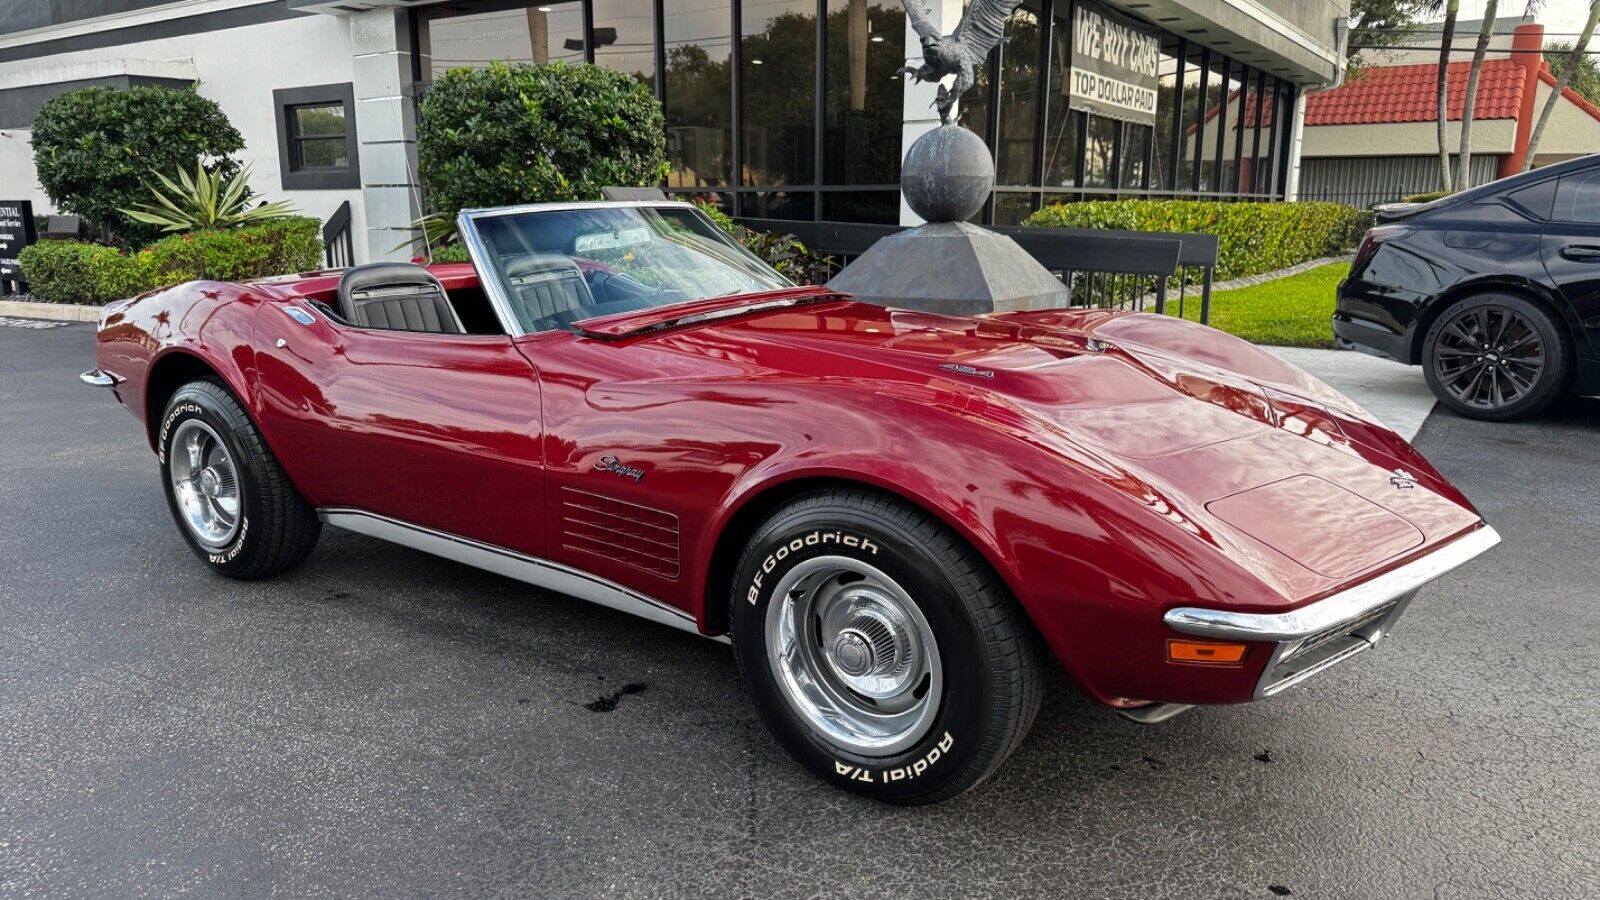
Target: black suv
1495, 291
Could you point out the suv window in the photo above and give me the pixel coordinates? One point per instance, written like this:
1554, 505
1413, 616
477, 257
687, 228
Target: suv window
1578, 197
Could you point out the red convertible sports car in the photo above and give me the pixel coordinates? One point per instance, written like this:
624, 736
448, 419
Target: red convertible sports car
894, 517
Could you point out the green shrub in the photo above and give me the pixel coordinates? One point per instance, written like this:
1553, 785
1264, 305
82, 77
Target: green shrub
95, 148
1427, 197
80, 272
450, 253
515, 133
280, 247
1252, 238
784, 252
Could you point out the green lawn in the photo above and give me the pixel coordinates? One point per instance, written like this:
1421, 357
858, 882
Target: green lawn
1291, 312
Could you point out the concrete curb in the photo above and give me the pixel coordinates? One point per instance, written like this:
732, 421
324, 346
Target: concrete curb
1265, 277
59, 312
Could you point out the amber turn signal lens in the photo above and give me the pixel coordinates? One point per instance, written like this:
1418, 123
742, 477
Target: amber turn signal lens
1205, 652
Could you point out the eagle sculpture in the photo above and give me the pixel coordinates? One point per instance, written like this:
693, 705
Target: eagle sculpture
982, 27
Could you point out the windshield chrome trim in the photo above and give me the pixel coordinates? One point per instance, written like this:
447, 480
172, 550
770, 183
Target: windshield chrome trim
1328, 612
488, 276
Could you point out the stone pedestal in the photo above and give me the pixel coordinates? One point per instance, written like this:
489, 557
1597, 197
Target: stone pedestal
951, 267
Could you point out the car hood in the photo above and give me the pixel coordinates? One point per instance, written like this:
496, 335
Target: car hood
1222, 437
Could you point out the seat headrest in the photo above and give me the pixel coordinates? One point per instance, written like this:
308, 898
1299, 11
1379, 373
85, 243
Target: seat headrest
361, 279
398, 296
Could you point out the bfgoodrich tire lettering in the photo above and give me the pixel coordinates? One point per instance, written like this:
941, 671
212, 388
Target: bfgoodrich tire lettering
269, 527
981, 676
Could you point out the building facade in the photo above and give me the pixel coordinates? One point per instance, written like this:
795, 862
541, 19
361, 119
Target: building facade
784, 109
1375, 139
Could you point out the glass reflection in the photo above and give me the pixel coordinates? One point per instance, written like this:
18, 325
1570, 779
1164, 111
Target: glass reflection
533, 34
625, 38
863, 108
778, 90
699, 80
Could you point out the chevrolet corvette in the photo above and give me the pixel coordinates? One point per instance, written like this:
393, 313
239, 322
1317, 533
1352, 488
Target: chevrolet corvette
897, 519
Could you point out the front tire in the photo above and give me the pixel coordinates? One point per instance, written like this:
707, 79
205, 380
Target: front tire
1497, 357
881, 649
231, 500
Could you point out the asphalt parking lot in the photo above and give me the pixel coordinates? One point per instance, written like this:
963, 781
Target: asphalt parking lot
381, 723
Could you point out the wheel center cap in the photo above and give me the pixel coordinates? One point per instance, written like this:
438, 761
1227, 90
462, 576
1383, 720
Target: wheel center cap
209, 482
852, 653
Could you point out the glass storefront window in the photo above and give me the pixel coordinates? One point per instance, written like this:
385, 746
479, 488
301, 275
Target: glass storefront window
864, 107
526, 34
1099, 151
777, 87
625, 37
1061, 123
1166, 116
1019, 96
1205, 136
698, 82
1135, 154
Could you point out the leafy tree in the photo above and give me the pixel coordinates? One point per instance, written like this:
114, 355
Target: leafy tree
517, 133
1584, 75
95, 148
1451, 10
1575, 62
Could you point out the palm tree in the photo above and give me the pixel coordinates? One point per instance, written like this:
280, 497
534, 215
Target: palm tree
1452, 8
1470, 100
1574, 58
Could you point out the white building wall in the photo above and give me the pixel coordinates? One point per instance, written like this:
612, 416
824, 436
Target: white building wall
1570, 132
1489, 136
239, 68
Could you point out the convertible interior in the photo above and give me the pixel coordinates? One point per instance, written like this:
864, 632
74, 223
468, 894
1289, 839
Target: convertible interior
557, 267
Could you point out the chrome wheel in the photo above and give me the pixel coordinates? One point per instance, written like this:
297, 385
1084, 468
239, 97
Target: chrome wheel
1489, 357
853, 655
205, 483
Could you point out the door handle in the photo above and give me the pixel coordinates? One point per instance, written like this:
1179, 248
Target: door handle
1581, 252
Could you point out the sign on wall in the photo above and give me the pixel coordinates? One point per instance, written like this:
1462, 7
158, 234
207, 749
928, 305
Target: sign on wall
1114, 66
16, 232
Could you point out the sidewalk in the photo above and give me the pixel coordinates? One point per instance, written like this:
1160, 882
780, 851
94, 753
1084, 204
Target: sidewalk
1395, 393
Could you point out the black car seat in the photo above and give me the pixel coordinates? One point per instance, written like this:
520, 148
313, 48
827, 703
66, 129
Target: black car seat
397, 296
548, 290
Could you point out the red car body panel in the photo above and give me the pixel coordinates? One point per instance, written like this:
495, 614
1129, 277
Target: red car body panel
1110, 466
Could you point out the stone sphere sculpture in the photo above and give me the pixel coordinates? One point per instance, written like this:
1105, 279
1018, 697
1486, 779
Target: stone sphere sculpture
948, 175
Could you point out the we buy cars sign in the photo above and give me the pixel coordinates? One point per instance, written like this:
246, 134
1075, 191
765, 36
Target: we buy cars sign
16, 232
1114, 66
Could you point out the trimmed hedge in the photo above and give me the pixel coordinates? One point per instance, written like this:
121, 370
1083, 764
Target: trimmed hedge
81, 272
94, 148
516, 133
279, 247
1252, 238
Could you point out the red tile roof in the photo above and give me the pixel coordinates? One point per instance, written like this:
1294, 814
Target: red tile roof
1382, 95
1388, 94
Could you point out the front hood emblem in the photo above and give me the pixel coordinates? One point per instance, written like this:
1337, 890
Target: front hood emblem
1403, 480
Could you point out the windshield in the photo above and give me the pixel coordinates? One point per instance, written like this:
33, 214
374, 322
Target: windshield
560, 266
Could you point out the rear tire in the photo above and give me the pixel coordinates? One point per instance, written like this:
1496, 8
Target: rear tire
231, 500
1497, 357
846, 604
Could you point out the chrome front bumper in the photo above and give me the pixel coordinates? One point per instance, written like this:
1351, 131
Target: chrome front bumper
1330, 631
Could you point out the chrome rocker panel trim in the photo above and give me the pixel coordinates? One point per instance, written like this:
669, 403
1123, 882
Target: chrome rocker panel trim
1333, 629
528, 569
1330, 611
101, 378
